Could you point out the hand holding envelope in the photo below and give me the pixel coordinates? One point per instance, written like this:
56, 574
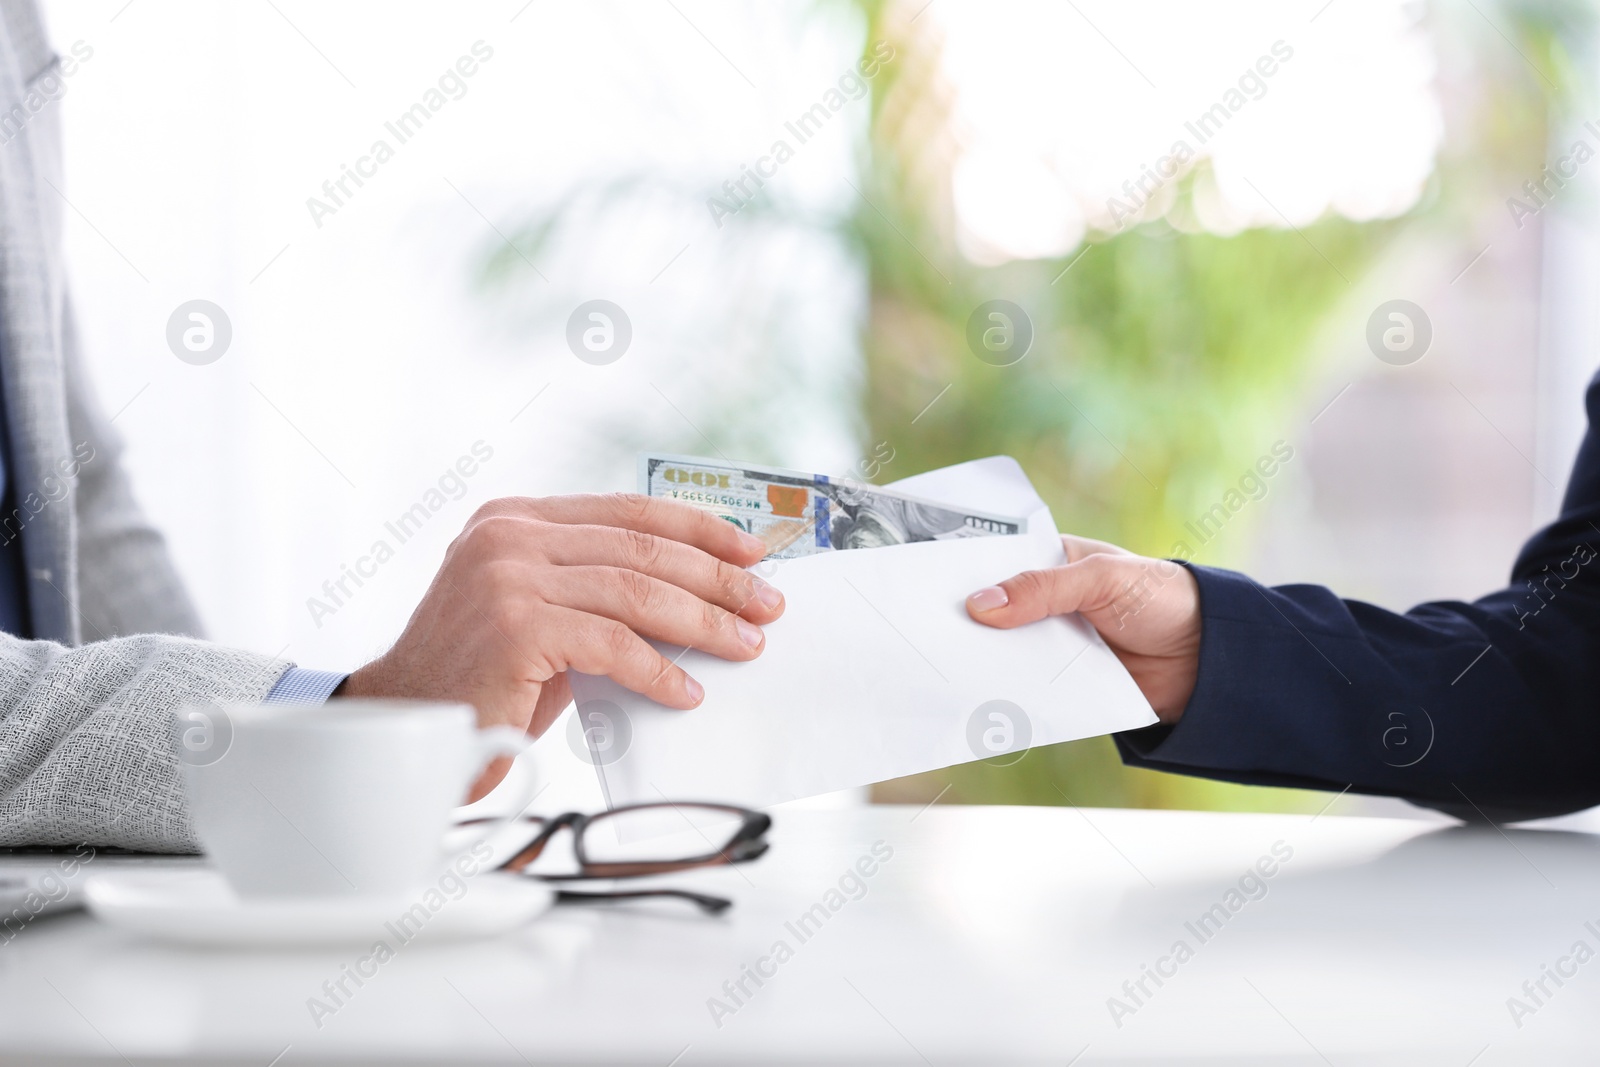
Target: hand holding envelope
875, 670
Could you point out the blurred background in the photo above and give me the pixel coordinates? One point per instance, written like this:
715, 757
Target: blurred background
1198, 208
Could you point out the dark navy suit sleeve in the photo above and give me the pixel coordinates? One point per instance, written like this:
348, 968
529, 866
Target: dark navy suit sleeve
1488, 709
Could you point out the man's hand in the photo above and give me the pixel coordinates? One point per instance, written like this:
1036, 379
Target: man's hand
1148, 611
534, 588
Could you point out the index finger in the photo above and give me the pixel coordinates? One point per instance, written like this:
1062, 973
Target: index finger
664, 518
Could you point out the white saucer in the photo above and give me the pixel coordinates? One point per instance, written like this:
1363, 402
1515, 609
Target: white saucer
198, 908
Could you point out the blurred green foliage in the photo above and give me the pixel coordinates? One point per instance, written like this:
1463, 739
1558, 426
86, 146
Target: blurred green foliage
1164, 357
1163, 362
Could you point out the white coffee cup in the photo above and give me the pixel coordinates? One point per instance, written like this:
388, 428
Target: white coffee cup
351, 798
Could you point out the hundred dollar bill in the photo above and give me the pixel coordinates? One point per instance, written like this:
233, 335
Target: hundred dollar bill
799, 514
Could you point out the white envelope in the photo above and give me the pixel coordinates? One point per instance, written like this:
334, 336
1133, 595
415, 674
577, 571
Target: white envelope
875, 671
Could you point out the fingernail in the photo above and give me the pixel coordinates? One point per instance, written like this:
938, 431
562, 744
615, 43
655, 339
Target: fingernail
749, 632
988, 599
694, 689
752, 543
768, 595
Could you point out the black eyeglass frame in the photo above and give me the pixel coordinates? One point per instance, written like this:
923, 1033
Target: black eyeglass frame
746, 843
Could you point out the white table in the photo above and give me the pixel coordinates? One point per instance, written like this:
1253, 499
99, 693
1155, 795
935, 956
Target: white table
991, 935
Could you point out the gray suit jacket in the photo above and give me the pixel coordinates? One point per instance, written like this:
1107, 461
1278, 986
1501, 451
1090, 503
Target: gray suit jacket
86, 709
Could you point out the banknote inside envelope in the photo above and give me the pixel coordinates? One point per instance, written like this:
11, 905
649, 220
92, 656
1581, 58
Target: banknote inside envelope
875, 670
800, 514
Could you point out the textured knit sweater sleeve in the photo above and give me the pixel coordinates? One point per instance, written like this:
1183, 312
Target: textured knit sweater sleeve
88, 735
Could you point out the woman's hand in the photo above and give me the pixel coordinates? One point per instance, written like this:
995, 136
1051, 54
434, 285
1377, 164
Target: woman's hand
1148, 611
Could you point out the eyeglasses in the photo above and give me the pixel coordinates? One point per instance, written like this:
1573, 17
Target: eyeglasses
640, 840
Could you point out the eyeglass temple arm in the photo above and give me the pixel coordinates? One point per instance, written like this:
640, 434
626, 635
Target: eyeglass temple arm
705, 902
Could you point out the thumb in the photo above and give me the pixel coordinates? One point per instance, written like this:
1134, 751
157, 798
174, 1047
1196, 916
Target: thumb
1089, 583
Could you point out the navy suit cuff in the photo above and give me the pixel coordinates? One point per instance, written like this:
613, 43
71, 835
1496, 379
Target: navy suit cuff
1200, 733
1235, 725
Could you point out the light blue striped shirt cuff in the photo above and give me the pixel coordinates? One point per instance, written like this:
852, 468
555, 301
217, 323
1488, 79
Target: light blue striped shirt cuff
300, 686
